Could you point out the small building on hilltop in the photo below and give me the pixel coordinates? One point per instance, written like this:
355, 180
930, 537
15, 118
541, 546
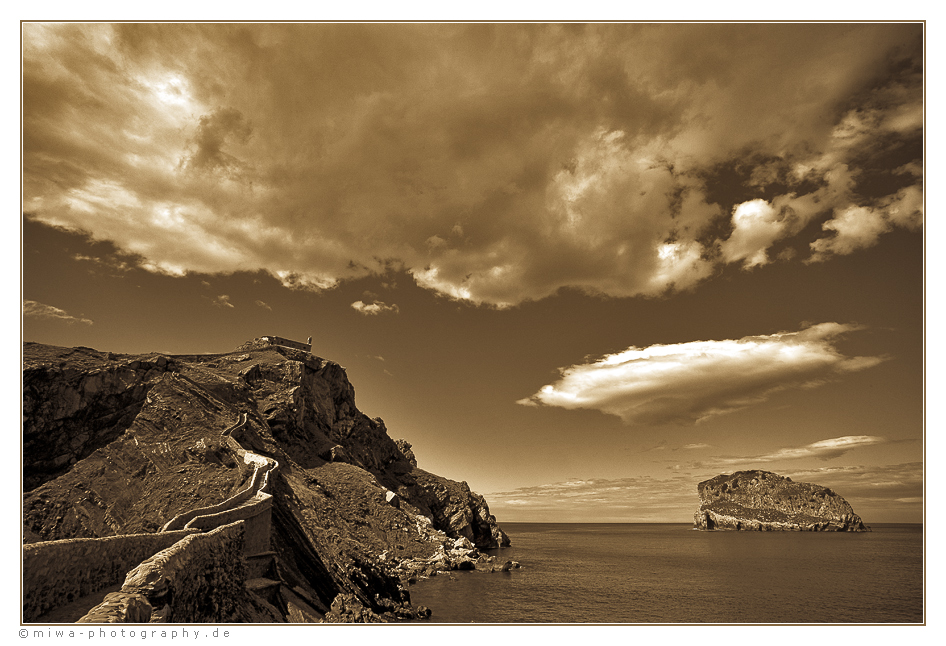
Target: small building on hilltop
287, 343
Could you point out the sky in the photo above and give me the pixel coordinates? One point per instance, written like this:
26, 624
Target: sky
582, 267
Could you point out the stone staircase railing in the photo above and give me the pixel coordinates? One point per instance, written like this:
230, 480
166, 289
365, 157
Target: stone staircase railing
256, 490
57, 573
252, 504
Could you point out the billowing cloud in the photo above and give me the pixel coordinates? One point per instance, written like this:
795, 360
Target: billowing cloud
691, 382
43, 311
857, 227
223, 300
493, 163
858, 216
756, 225
374, 308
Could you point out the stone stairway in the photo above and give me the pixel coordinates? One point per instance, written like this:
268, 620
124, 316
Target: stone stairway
252, 505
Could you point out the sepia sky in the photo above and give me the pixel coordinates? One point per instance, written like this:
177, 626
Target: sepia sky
581, 267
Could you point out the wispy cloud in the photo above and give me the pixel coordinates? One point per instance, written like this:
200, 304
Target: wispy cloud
112, 263
638, 499
820, 450
600, 142
42, 311
691, 382
374, 308
891, 481
264, 305
894, 492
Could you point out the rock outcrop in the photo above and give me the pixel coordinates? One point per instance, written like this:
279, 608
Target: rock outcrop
765, 501
77, 400
352, 514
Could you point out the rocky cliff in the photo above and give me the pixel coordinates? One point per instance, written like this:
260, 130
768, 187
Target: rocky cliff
765, 501
121, 444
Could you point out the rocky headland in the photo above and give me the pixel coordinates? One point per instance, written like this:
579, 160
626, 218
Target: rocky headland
765, 501
209, 451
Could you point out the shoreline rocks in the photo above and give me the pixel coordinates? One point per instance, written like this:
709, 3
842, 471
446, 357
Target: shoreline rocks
459, 554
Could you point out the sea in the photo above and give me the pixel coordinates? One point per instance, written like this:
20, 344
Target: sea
673, 574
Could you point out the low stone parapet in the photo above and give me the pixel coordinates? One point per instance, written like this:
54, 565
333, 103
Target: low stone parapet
257, 516
56, 573
253, 504
199, 579
190, 577
119, 608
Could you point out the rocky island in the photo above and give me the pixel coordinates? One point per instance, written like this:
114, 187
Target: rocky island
236, 487
765, 501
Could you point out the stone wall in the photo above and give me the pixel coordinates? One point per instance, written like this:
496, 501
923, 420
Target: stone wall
119, 608
250, 503
182, 520
257, 517
199, 579
192, 578
59, 572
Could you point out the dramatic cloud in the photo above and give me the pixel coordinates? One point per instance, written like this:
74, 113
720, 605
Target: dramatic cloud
42, 311
493, 163
691, 382
374, 308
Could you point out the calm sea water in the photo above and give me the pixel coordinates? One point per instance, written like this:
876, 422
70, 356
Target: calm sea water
668, 573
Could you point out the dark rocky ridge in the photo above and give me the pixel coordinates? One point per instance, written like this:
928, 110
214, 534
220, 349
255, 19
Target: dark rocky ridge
765, 501
78, 400
120, 444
